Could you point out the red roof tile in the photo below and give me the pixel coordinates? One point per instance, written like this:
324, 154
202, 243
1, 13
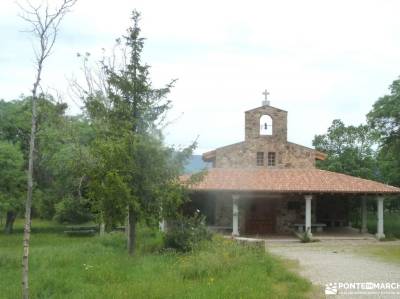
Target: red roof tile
288, 180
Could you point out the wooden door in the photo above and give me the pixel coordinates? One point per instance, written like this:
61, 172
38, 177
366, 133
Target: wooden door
261, 217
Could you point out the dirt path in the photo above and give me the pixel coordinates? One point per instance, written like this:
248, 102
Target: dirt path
340, 262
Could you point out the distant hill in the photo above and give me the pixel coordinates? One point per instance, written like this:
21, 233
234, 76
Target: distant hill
195, 164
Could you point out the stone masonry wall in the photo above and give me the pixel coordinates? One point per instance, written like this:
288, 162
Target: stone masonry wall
224, 211
286, 217
279, 123
243, 155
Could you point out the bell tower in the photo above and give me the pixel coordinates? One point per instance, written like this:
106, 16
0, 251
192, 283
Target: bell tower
266, 122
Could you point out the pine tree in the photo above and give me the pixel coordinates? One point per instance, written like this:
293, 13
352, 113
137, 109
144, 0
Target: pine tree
133, 170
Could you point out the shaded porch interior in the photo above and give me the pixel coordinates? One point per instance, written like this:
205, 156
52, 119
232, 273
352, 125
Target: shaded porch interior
276, 215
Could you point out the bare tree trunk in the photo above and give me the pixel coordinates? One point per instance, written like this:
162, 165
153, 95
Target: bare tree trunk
28, 204
131, 230
45, 25
102, 230
10, 218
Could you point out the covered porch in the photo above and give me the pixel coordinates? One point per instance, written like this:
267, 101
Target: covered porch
248, 202
277, 216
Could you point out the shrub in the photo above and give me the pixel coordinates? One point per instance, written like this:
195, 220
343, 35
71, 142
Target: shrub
305, 237
73, 210
80, 233
185, 233
222, 257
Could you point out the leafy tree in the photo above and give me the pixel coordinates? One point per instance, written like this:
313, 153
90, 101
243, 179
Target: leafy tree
61, 162
15, 122
132, 170
385, 119
11, 182
349, 150
61, 149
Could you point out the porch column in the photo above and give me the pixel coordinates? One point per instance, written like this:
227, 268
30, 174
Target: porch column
364, 215
379, 231
235, 215
308, 199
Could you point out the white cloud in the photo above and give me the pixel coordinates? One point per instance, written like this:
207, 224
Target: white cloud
320, 60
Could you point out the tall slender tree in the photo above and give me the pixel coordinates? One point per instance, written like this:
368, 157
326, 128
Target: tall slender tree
133, 170
44, 23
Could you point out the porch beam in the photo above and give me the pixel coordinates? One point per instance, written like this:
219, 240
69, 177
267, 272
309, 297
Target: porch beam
308, 199
364, 215
379, 231
235, 215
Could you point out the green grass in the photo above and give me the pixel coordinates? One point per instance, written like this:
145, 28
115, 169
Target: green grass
384, 251
387, 251
391, 224
94, 267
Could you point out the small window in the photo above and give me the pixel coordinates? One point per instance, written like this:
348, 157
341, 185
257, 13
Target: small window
260, 159
271, 159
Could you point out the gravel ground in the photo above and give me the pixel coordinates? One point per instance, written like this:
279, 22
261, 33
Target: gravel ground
339, 262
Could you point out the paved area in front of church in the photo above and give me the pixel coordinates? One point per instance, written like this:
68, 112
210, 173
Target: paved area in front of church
342, 261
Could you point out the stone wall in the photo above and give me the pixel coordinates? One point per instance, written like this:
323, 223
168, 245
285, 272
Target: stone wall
243, 154
290, 211
224, 211
279, 123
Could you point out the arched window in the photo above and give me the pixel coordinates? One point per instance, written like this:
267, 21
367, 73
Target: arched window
265, 125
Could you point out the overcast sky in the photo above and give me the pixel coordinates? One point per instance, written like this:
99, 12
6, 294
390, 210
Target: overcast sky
320, 61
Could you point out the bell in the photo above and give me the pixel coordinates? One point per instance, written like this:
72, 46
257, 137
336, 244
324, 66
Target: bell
265, 126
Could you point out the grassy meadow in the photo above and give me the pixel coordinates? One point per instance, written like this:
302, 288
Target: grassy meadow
99, 267
387, 251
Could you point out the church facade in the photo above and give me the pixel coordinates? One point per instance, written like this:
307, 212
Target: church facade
265, 145
268, 185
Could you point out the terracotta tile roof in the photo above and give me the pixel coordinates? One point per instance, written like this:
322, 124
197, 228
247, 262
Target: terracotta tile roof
287, 180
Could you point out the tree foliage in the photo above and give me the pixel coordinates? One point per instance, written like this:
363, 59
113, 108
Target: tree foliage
11, 182
385, 119
62, 147
132, 172
349, 149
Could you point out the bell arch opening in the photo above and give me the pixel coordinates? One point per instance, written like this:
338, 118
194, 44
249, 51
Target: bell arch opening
266, 125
